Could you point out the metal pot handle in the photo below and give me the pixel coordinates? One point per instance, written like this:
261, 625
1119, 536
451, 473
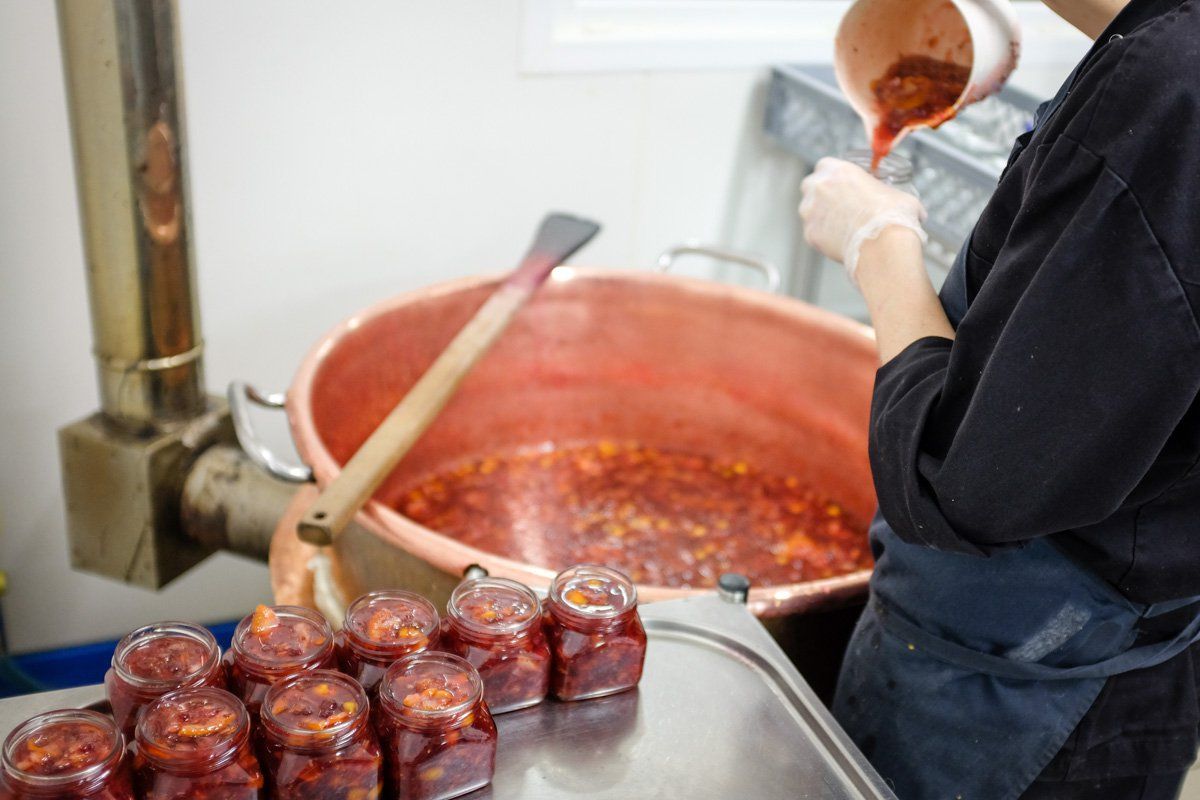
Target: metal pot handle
768, 269
241, 395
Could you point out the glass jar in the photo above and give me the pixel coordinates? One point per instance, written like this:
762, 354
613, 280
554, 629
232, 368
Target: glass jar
316, 739
67, 755
274, 643
596, 636
894, 169
157, 659
194, 744
496, 625
438, 739
381, 627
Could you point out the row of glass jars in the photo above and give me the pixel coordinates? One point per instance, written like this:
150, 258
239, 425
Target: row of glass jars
587, 642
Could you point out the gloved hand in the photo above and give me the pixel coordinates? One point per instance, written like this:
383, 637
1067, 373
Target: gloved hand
845, 206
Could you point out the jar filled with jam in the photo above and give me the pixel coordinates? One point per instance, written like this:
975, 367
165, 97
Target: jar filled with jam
194, 744
275, 643
157, 659
317, 742
379, 629
68, 755
438, 739
596, 636
496, 624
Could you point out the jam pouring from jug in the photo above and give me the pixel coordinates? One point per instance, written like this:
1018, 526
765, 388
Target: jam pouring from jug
907, 64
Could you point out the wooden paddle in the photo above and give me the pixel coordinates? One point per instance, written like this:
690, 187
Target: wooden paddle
558, 238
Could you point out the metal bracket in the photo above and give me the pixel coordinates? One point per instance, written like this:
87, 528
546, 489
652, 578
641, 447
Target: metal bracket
689, 248
241, 395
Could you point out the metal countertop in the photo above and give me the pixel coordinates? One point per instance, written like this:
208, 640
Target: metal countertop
720, 713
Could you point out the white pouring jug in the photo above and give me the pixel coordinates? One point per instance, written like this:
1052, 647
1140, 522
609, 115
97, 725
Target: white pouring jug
983, 35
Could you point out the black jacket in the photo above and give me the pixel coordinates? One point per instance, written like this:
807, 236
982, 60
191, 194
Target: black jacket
1067, 404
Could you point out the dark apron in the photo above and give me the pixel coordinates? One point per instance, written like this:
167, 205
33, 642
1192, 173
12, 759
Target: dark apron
966, 675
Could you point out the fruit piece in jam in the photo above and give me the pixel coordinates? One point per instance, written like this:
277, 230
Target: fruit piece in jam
596, 637
157, 659
438, 737
382, 627
194, 744
274, 643
495, 624
316, 739
70, 755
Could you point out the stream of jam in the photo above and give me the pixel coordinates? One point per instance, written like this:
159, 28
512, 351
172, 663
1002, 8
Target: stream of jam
915, 90
664, 518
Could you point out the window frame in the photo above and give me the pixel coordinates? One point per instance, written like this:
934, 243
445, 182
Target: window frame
567, 36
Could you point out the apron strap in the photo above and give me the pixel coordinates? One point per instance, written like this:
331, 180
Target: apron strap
998, 666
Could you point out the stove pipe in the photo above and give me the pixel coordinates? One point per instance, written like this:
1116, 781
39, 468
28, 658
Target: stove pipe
121, 64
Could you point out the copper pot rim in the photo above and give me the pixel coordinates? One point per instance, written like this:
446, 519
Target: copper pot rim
451, 555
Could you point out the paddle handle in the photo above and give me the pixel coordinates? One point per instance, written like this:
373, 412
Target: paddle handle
559, 237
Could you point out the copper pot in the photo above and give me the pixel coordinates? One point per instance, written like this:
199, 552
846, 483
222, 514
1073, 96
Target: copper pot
668, 361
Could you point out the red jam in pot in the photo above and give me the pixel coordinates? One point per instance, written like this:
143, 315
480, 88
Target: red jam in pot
316, 739
68, 755
665, 518
596, 635
194, 744
380, 628
273, 643
438, 738
496, 624
157, 659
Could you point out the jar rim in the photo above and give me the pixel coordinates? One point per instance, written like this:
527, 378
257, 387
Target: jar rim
623, 581
272, 724
893, 168
146, 633
308, 615
154, 749
476, 585
27, 728
395, 705
350, 623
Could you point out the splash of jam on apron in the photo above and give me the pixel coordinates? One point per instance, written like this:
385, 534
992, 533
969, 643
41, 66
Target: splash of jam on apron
915, 90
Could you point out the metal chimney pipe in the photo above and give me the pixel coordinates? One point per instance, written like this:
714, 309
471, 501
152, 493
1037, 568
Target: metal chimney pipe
121, 62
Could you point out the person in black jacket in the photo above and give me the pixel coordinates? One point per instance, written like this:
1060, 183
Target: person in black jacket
1035, 441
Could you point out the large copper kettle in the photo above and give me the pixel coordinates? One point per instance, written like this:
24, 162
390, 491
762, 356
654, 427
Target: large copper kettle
671, 362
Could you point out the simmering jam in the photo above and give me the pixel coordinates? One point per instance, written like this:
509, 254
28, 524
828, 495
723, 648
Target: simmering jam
596, 635
275, 643
496, 624
664, 518
382, 627
438, 737
915, 90
70, 755
316, 739
194, 744
157, 659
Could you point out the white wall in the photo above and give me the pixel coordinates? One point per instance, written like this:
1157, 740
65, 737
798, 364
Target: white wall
340, 152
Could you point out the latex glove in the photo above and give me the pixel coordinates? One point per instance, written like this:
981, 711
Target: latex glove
845, 206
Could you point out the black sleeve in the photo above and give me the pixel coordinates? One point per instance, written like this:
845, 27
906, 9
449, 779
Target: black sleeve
1075, 362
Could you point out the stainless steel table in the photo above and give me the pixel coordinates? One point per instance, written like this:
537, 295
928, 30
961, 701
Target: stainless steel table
720, 713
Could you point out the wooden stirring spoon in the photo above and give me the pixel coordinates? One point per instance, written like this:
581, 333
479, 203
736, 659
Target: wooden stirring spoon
558, 238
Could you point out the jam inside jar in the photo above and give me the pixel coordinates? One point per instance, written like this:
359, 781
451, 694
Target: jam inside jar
438, 738
194, 744
317, 742
157, 659
496, 624
273, 643
595, 633
379, 629
69, 755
